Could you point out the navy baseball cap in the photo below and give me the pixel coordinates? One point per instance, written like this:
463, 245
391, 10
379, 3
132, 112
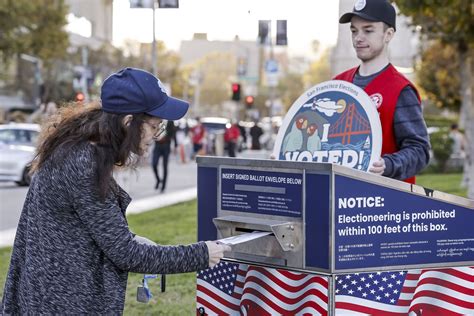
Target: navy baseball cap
372, 10
133, 90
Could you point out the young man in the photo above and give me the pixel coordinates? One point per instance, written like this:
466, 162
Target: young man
405, 146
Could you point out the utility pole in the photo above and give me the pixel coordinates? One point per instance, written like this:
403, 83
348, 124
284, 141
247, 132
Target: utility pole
154, 60
37, 76
86, 74
148, 4
151, 4
272, 84
270, 70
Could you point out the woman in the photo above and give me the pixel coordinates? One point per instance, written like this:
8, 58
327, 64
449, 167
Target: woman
73, 249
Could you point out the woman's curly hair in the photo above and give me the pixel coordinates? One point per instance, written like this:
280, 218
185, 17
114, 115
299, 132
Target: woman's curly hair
74, 124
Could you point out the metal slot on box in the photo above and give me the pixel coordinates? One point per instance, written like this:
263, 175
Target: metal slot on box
246, 230
288, 234
261, 259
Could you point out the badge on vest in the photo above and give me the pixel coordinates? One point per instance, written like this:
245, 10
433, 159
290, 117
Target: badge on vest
377, 99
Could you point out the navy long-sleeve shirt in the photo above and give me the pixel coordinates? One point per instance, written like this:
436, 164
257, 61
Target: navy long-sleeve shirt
410, 132
73, 251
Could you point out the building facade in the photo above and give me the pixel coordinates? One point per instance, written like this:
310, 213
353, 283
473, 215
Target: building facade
96, 13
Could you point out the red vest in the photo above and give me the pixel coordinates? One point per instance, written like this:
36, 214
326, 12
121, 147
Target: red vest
384, 91
198, 132
232, 134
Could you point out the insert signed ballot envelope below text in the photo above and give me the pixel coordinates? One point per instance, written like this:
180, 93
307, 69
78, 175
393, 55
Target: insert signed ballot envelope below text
238, 239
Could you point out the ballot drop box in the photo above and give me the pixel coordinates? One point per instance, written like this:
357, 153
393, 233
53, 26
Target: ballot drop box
316, 238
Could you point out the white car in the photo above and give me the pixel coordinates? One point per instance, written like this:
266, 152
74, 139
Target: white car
17, 150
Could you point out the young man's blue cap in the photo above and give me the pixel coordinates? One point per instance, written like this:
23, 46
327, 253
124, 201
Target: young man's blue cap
133, 90
372, 10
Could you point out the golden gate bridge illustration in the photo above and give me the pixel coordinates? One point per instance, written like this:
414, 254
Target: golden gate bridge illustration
348, 124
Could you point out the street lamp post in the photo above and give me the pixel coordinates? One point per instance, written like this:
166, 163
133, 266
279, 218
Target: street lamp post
154, 60
151, 4
37, 64
148, 4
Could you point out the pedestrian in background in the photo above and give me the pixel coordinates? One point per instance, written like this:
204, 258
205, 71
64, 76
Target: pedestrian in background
231, 138
255, 133
243, 134
459, 142
162, 149
73, 248
198, 136
405, 145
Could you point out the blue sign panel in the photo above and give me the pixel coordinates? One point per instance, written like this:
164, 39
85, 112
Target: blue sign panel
317, 220
377, 226
207, 202
262, 192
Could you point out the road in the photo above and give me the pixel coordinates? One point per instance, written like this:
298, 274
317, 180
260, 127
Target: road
139, 183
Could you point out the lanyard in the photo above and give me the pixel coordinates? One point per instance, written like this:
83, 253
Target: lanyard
143, 292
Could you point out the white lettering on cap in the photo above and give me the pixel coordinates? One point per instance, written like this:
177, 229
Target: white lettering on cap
162, 87
359, 5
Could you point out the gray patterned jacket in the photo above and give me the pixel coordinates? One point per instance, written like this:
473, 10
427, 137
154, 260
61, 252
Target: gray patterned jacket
73, 252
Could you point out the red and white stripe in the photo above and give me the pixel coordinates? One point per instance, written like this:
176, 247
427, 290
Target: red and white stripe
216, 302
284, 292
272, 291
446, 292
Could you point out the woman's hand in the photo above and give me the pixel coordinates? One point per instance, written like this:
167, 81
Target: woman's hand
216, 252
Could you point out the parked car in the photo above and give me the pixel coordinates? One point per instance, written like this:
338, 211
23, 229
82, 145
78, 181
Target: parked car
17, 149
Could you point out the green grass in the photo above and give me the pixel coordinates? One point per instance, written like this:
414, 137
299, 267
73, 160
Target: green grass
171, 225
177, 225
167, 226
446, 182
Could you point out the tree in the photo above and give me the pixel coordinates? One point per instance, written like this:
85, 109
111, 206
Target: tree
435, 75
108, 59
318, 71
451, 22
102, 62
33, 27
290, 87
215, 71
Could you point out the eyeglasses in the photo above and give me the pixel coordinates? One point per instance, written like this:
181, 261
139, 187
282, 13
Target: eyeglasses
159, 130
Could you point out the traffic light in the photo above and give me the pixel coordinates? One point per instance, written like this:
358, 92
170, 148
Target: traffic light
249, 101
281, 38
236, 91
166, 4
263, 31
80, 97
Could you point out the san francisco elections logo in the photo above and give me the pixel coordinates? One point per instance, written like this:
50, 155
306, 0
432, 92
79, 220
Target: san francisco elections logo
359, 5
334, 122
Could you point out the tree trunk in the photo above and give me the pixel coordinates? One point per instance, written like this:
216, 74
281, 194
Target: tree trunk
468, 107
